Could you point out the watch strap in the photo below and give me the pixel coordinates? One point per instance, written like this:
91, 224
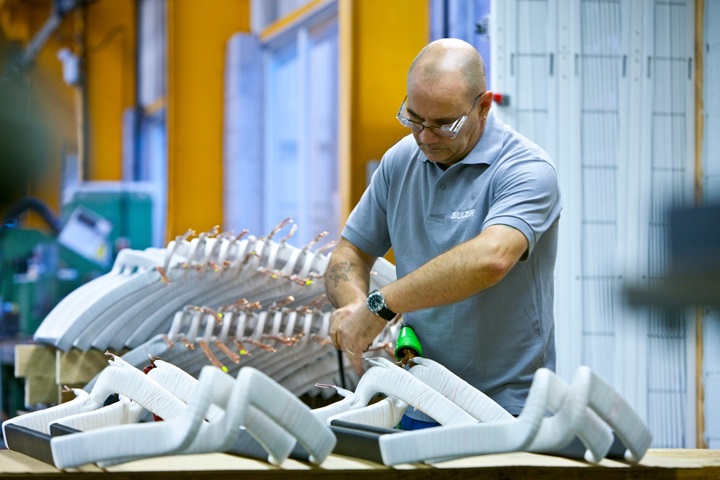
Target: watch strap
386, 313
383, 311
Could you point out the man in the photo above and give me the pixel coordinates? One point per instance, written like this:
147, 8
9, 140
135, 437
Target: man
471, 209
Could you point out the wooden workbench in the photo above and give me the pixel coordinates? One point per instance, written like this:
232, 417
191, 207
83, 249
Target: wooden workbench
657, 464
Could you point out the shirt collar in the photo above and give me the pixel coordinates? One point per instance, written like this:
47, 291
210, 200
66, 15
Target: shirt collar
489, 145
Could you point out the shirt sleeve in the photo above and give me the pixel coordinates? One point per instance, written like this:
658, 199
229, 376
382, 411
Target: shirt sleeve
526, 197
367, 226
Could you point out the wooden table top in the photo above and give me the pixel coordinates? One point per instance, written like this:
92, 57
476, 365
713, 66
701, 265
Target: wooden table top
657, 463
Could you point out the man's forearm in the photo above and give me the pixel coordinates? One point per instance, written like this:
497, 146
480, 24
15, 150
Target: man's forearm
347, 277
459, 273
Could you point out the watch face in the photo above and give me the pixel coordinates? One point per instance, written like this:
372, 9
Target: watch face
375, 302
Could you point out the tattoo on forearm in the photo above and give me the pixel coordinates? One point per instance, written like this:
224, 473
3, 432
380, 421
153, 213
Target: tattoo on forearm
339, 273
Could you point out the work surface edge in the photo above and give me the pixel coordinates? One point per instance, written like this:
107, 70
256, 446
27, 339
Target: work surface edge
657, 463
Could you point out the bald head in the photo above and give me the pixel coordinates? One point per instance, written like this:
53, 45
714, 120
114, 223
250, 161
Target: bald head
449, 61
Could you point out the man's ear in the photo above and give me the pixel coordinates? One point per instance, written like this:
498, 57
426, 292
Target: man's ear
485, 103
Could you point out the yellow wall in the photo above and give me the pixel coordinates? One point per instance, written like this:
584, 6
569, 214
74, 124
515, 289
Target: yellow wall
105, 31
54, 101
110, 69
197, 37
378, 40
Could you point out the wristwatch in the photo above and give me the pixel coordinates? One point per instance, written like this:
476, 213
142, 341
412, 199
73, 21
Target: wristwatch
376, 304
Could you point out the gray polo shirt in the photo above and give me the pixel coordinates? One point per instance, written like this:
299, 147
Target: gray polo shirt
497, 339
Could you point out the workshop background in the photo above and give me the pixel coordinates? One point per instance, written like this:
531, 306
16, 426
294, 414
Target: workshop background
124, 123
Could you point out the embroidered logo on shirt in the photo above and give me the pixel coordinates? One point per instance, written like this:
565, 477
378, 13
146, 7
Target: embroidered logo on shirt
461, 215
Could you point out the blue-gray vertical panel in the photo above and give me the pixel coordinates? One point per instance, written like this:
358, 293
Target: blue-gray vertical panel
243, 127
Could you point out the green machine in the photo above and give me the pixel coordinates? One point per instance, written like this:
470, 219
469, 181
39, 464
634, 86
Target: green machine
35, 274
129, 213
39, 267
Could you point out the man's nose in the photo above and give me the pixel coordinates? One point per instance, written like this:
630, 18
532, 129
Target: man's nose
427, 135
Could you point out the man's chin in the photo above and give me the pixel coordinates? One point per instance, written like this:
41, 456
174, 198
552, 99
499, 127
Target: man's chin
435, 156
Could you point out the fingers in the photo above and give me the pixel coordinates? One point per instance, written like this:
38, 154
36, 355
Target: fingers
352, 352
352, 330
356, 360
334, 339
334, 330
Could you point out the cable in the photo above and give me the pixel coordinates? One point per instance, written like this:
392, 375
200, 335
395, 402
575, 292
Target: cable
341, 369
31, 203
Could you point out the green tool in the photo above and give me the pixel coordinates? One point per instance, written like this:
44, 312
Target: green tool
407, 345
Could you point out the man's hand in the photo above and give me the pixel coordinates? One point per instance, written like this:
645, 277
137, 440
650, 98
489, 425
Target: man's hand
353, 329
